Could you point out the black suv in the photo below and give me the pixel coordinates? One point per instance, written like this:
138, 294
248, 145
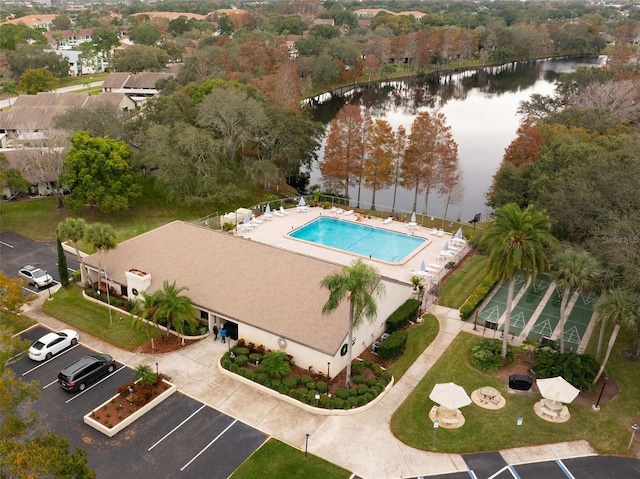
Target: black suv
86, 370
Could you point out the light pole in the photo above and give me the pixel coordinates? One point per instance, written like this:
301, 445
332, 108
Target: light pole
596, 407
49, 285
634, 428
306, 445
157, 370
328, 376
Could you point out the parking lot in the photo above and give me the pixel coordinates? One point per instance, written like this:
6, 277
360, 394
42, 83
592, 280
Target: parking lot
17, 251
491, 465
181, 437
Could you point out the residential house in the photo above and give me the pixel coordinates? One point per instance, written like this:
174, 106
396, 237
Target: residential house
79, 66
260, 293
34, 21
138, 87
68, 39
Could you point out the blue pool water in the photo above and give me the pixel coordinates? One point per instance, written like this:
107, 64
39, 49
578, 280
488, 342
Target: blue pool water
359, 239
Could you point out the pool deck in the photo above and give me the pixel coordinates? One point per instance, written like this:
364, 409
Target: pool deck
274, 232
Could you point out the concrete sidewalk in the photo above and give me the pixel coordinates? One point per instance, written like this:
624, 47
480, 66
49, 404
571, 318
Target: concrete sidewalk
361, 443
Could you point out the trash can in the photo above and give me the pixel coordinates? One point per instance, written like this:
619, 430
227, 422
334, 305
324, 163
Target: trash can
520, 382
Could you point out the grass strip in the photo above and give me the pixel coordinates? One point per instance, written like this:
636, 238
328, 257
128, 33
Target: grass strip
277, 459
459, 286
420, 337
70, 307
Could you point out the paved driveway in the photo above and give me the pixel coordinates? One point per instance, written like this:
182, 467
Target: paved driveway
182, 437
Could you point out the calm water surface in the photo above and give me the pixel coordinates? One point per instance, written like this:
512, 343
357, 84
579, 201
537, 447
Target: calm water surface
480, 107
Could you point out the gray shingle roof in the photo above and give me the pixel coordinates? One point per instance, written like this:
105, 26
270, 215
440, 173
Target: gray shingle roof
272, 289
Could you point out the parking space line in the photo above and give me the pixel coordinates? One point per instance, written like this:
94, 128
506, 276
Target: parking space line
208, 445
94, 385
564, 469
52, 382
6, 244
178, 426
472, 474
513, 472
49, 360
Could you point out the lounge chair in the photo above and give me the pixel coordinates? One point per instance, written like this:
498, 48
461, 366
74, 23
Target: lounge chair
302, 209
388, 220
277, 213
282, 210
440, 232
347, 213
256, 221
435, 266
434, 231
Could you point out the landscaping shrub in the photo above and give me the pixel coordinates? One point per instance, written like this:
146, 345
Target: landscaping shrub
225, 363
371, 382
362, 389
341, 393
305, 378
246, 373
357, 367
241, 360
357, 379
282, 389
401, 316
238, 351
485, 355
393, 345
338, 403
290, 381
261, 368
233, 367
353, 401
277, 364
368, 397
578, 369
361, 401
477, 296
260, 378
255, 358
321, 386
303, 391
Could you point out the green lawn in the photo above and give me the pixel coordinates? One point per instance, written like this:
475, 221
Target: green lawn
70, 307
277, 459
420, 337
38, 219
607, 431
15, 322
459, 286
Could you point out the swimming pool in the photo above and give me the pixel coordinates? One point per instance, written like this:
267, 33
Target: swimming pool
359, 239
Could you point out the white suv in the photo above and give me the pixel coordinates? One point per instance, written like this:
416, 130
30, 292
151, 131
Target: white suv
36, 276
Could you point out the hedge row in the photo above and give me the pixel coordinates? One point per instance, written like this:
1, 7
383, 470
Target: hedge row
401, 316
305, 389
478, 294
393, 345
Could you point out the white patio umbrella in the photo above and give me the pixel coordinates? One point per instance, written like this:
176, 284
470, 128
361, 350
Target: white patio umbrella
450, 396
557, 389
246, 219
413, 217
302, 202
423, 267
446, 246
267, 209
458, 233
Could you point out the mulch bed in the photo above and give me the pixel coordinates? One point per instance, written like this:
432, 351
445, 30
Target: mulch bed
162, 345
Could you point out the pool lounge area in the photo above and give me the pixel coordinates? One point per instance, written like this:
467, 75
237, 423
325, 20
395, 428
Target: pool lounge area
275, 232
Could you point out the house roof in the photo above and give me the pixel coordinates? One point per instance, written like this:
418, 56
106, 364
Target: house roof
139, 80
34, 21
253, 283
20, 159
37, 112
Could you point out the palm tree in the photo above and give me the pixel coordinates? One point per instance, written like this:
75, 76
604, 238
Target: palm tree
517, 242
74, 230
147, 308
175, 308
103, 238
573, 270
620, 307
358, 282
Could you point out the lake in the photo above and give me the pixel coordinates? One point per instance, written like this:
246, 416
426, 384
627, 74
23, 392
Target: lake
481, 108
